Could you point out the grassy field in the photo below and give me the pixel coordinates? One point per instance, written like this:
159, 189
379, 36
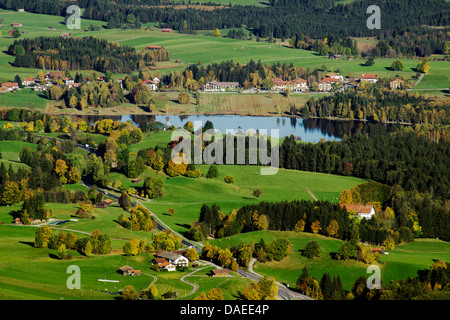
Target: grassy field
28, 273
187, 196
191, 49
405, 260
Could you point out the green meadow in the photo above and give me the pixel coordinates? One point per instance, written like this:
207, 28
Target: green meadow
186, 196
192, 49
405, 260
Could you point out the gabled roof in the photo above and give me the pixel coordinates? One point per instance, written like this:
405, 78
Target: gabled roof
359, 208
168, 255
10, 84
221, 271
329, 80
368, 76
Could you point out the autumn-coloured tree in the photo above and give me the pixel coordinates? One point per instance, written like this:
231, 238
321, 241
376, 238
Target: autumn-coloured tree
183, 98
74, 175
61, 167
130, 293
191, 254
300, 226
315, 227
333, 228
42, 237
131, 248
11, 193
174, 169
424, 65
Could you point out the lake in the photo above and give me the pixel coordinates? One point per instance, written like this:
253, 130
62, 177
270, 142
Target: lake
309, 130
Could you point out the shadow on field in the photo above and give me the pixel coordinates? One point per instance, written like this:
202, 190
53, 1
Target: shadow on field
29, 243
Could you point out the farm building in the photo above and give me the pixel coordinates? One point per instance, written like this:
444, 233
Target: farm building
154, 47
372, 78
362, 211
129, 271
151, 84
10, 86
220, 86
396, 84
220, 272
15, 24
326, 84
28, 81
334, 75
167, 30
172, 257
163, 264
104, 204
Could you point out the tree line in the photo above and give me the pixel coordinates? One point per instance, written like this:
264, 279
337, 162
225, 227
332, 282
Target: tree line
89, 53
378, 104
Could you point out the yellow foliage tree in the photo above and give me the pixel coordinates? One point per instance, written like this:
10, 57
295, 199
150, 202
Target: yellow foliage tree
315, 227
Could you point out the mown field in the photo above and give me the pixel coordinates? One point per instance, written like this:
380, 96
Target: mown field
405, 260
28, 273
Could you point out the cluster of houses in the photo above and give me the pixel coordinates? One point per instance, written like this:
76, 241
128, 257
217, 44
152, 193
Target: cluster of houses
51, 78
300, 85
169, 261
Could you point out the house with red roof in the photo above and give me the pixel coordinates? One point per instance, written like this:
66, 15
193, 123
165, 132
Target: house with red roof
372, 78
326, 84
362, 211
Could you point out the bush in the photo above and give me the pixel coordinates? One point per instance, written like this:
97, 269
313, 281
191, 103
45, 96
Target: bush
312, 249
213, 172
229, 179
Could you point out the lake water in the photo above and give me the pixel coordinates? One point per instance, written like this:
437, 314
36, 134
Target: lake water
309, 130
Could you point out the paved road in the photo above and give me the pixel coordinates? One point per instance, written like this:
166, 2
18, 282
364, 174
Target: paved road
284, 293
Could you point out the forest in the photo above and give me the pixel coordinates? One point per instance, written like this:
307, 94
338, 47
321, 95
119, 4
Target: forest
420, 42
88, 53
378, 104
280, 19
401, 158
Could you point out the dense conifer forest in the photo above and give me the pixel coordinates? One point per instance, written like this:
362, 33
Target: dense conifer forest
280, 19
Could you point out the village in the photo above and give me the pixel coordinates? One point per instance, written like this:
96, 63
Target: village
331, 82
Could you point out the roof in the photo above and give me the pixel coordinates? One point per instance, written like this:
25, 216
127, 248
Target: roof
368, 76
329, 80
397, 80
154, 47
359, 208
299, 80
9, 84
279, 81
28, 79
165, 264
168, 255
221, 271
160, 260
126, 268
332, 74
217, 83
